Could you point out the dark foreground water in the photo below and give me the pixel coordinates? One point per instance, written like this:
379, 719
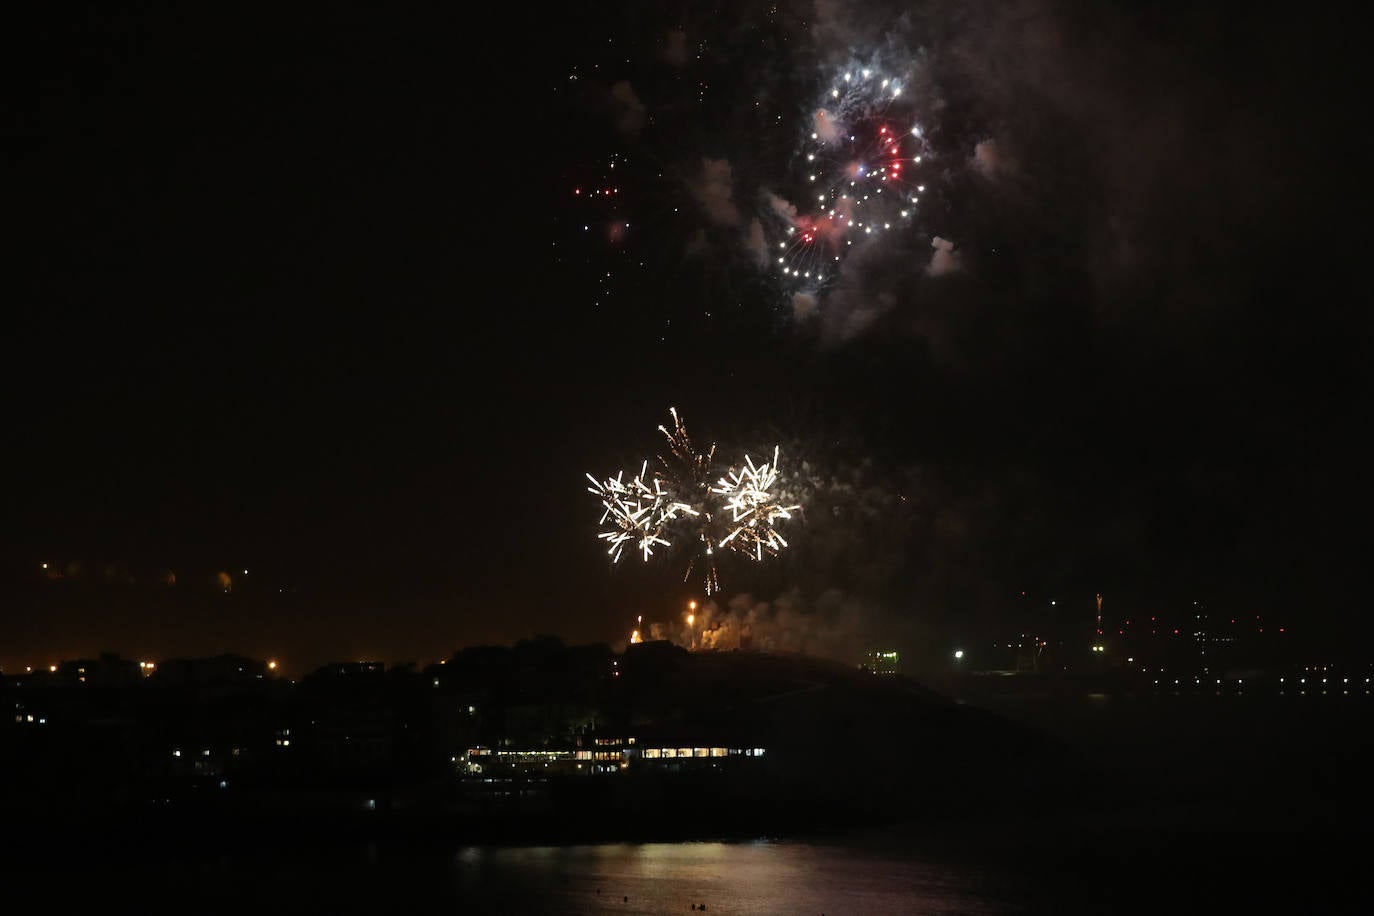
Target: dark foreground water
752, 877
1020, 866
734, 878
726, 878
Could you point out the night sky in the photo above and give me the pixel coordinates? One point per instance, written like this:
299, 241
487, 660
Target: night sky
318, 297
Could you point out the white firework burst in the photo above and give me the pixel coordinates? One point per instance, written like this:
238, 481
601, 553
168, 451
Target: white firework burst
861, 153
636, 512
738, 513
754, 508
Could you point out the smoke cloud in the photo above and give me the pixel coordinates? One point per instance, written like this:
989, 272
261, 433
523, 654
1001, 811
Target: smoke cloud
832, 625
675, 48
825, 127
988, 159
630, 112
945, 260
714, 192
758, 245
782, 208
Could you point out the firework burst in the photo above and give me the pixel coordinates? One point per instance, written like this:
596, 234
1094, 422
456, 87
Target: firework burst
636, 513
680, 505
687, 473
859, 161
753, 507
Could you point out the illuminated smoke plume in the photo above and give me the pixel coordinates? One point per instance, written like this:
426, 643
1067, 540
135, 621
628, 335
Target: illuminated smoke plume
988, 160
945, 260
630, 113
832, 625
714, 191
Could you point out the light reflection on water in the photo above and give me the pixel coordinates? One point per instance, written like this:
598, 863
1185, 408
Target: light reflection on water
730, 878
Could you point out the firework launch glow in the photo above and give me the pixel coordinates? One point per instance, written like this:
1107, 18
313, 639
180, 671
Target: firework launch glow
859, 161
738, 512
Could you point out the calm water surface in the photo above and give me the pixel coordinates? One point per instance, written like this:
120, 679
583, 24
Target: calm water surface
729, 878
852, 876
1231, 865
